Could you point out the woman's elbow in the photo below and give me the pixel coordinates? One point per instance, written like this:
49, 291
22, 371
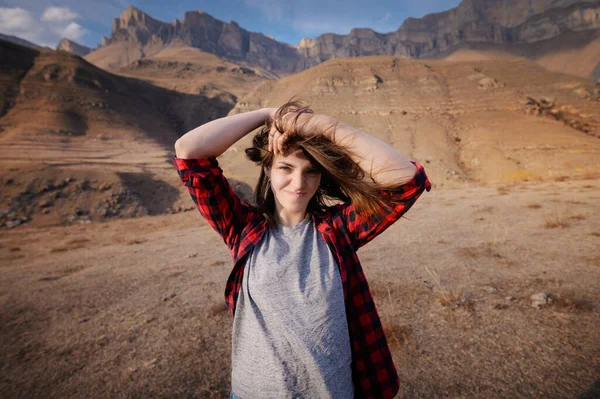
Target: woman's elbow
179, 150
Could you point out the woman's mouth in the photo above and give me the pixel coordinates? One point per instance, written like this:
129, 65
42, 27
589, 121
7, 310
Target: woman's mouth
297, 195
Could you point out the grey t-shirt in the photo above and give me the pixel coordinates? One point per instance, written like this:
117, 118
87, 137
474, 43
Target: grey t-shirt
290, 333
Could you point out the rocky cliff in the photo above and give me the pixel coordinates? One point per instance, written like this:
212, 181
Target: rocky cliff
497, 22
200, 30
483, 21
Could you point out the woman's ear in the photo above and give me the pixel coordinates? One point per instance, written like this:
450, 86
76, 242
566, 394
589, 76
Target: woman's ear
267, 171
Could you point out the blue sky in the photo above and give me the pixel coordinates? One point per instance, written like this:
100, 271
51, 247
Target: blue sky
86, 21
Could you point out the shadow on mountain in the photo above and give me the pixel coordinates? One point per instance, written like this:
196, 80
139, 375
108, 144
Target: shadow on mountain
73, 97
155, 196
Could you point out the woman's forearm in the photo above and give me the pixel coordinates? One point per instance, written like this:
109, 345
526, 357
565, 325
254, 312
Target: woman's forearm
213, 138
377, 158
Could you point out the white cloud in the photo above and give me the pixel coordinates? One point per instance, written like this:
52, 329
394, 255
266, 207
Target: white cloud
387, 16
58, 14
15, 18
73, 31
19, 22
54, 24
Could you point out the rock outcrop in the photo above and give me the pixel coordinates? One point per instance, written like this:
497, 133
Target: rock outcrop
72, 47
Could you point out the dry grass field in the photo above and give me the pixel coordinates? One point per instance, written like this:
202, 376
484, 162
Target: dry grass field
134, 307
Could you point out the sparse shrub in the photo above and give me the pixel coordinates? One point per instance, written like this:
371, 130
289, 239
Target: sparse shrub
575, 202
572, 304
396, 334
503, 190
454, 300
450, 299
554, 220
486, 249
217, 309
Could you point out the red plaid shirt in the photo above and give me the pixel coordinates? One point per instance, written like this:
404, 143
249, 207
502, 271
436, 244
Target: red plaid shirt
343, 228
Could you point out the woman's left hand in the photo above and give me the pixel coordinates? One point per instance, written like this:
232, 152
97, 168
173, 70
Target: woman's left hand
277, 139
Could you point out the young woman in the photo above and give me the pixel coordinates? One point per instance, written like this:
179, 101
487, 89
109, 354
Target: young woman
304, 321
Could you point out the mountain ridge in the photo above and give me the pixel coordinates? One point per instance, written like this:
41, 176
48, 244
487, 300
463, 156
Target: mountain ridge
137, 35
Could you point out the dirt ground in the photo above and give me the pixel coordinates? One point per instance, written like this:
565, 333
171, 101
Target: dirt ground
112, 284
135, 307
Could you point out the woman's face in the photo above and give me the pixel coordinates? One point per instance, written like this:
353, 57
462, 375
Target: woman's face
294, 181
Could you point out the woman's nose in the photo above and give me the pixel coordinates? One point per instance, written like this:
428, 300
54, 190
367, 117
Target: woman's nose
298, 181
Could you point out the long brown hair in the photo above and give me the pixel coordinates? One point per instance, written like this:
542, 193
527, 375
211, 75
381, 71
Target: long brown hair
342, 178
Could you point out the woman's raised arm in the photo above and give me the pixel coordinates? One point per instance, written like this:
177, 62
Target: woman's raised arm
376, 157
213, 138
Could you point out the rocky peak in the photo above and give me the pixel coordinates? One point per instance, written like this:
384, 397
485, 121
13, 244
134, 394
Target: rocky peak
132, 13
306, 42
72, 47
134, 19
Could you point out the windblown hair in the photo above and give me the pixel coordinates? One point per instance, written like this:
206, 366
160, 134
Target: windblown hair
342, 178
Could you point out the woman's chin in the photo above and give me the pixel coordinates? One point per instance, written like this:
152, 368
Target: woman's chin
296, 206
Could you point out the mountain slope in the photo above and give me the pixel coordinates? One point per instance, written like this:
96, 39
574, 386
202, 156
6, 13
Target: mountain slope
77, 142
480, 121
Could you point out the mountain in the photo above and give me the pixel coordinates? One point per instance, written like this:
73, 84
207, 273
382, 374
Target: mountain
510, 23
482, 121
78, 142
19, 41
491, 22
72, 47
136, 35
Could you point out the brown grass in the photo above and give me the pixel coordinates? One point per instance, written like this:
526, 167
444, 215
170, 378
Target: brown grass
218, 263
397, 335
136, 241
534, 206
218, 308
486, 249
572, 304
455, 300
449, 299
72, 269
555, 220
504, 190
80, 240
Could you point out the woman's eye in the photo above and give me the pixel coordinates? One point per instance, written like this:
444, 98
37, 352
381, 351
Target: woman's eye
284, 167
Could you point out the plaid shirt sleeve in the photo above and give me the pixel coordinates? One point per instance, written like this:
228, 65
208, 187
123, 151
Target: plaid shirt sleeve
226, 213
363, 228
